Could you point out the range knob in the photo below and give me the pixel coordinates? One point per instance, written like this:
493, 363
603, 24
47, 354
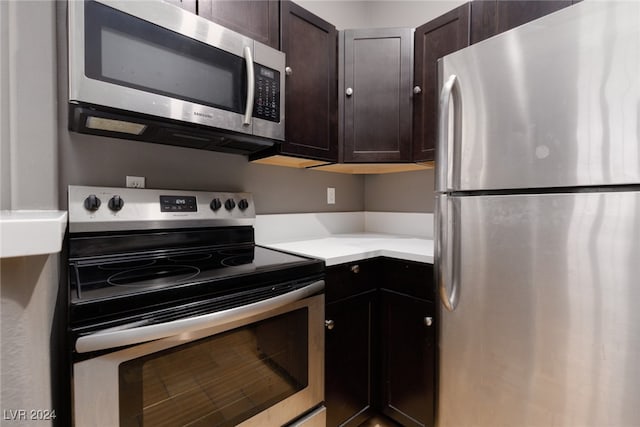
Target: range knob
215, 204
229, 204
92, 203
116, 203
243, 204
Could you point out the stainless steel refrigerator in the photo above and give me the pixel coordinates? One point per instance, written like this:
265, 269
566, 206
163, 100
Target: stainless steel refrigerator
538, 224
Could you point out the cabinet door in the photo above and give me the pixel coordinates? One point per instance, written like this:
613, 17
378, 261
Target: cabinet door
377, 113
433, 40
491, 17
348, 360
311, 45
257, 19
408, 361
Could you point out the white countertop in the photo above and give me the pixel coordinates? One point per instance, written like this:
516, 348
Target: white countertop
342, 248
26, 232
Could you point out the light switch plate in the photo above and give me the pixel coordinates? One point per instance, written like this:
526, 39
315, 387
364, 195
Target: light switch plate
135, 181
331, 196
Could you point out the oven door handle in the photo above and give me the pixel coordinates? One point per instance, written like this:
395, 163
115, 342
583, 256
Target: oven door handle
112, 339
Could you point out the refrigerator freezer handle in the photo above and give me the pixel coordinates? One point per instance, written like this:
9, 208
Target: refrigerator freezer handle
443, 166
444, 250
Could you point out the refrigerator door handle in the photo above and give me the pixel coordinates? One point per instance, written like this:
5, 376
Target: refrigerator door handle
444, 157
445, 249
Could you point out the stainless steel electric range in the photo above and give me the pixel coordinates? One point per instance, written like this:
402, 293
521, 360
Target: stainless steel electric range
177, 318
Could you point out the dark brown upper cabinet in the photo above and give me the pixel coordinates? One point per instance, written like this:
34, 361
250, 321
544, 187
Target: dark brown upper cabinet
257, 19
311, 98
433, 40
491, 17
376, 94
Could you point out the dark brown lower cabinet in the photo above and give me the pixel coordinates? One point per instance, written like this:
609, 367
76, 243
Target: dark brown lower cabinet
380, 342
408, 358
348, 361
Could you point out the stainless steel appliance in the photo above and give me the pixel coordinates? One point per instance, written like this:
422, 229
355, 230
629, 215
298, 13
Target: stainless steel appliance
150, 71
176, 317
538, 224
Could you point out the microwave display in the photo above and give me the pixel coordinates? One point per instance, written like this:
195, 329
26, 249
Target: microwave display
267, 102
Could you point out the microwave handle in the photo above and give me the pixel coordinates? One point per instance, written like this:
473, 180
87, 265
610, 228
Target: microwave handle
251, 82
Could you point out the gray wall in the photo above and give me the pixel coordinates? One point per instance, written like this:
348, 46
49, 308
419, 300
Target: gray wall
378, 13
343, 14
27, 107
400, 192
29, 180
5, 152
408, 13
93, 160
27, 303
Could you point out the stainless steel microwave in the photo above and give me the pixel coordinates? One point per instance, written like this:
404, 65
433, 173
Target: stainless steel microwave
150, 71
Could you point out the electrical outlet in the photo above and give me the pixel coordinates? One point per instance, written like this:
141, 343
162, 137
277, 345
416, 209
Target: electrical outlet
331, 196
135, 181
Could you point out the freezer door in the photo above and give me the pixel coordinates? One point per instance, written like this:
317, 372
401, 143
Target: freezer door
547, 327
554, 103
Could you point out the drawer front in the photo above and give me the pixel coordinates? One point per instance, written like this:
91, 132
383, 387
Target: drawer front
346, 280
410, 278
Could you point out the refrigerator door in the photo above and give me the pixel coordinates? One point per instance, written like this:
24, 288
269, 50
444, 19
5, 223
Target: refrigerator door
554, 103
547, 327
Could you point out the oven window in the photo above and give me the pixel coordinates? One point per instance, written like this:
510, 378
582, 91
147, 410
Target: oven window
220, 380
128, 51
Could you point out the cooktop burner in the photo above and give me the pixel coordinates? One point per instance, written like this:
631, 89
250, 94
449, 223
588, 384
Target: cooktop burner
157, 275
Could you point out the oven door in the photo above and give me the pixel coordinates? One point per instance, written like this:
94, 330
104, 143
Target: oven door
263, 370
156, 59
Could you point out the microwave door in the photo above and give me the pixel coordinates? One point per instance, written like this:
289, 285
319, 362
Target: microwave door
160, 61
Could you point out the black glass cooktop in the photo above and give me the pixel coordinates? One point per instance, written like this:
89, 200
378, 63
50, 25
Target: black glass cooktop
212, 269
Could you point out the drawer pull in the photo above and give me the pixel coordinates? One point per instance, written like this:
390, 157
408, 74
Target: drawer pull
355, 269
428, 321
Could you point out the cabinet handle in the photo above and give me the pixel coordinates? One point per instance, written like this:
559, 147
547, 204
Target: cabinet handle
288, 71
417, 90
428, 321
355, 269
349, 91
329, 324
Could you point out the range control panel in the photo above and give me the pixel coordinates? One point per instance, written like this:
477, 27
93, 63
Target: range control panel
178, 204
109, 209
267, 94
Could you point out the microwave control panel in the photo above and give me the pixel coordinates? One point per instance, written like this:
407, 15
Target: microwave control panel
267, 101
